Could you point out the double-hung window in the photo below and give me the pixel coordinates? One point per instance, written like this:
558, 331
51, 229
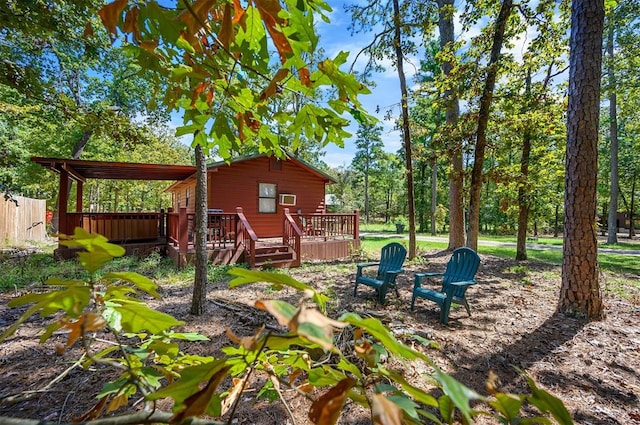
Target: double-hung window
267, 196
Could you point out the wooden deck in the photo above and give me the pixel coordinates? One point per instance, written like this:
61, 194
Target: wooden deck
230, 238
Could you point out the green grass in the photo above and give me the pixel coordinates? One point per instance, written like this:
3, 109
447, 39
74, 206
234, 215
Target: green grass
615, 263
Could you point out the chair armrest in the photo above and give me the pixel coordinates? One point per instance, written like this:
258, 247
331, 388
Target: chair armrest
419, 276
464, 283
363, 265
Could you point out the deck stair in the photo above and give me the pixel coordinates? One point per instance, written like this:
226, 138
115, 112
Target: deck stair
273, 255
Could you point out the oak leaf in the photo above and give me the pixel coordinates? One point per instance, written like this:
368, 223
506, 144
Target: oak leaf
110, 14
327, 408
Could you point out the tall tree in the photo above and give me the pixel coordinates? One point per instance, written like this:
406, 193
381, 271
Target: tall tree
456, 184
406, 134
483, 120
612, 219
580, 292
199, 297
367, 158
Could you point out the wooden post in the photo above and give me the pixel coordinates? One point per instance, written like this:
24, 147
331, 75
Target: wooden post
162, 223
63, 196
78, 196
356, 228
183, 231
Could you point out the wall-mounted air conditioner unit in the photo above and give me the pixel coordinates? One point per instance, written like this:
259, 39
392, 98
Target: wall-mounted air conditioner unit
287, 199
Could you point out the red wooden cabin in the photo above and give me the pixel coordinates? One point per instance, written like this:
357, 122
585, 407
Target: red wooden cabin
262, 210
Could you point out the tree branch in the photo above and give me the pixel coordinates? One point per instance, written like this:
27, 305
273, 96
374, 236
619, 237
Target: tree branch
127, 419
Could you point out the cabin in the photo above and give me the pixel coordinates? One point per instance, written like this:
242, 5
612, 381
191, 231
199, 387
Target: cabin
262, 210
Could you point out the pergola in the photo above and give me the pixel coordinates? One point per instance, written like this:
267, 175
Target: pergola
80, 170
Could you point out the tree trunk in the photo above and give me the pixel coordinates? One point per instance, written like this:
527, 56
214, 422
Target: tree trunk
523, 202
434, 195
406, 136
580, 291
483, 120
456, 188
199, 298
612, 227
632, 228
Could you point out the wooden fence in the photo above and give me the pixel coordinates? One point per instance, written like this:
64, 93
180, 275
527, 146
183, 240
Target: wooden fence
23, 222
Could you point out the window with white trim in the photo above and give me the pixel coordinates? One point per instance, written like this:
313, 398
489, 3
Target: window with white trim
267, 197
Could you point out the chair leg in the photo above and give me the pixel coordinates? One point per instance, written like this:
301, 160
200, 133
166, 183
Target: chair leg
413, 300
466, 305
355, 290
444, 313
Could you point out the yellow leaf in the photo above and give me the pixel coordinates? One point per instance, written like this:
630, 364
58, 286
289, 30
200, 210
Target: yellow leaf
110, 14
234, 393
327, 408
385, 412
248, 342
117, 402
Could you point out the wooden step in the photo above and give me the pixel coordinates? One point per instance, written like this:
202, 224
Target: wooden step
273, 256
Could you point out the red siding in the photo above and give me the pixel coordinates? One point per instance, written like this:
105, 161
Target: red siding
236, 185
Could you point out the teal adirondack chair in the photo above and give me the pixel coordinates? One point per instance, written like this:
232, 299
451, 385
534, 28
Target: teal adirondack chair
459, 275
390, 265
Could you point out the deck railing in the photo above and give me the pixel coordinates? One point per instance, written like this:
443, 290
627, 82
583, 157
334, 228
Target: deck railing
221, 231
291, 236
245, 238
120, 227
328, 226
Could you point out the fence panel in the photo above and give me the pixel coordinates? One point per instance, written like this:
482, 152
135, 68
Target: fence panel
23, 222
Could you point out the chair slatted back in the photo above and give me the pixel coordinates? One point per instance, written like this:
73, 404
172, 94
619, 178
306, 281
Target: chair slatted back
391, 258
462, 267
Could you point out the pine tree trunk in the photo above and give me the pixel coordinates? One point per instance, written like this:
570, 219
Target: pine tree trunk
612, 220
199, 298
580, 291
456, 188
483, 121
434, 196
523, 202
406, 135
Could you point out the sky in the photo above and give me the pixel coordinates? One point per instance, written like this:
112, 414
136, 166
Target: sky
336, 37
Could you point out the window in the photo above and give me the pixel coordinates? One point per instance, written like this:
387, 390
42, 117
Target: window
187, 195
178, 200
267, 198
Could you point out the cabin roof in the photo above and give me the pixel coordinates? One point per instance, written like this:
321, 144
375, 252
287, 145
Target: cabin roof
302, 164
81, 169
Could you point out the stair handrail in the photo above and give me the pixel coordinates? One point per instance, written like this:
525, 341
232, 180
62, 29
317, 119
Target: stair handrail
244, 233
291, 236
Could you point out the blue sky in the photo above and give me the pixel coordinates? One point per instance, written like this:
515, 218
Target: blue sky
336, 37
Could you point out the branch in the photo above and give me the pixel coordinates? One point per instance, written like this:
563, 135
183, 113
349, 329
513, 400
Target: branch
127, 419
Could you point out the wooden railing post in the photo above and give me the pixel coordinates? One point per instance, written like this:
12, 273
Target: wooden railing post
162, 224
356, 228
183, 231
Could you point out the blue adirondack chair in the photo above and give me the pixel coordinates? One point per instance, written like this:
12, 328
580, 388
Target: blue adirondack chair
459, 276
390, 265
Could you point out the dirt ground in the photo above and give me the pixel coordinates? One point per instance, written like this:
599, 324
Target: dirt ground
593, 367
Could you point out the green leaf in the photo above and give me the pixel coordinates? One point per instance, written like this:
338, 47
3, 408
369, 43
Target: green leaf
548, 403
140, 281
459, 394
184, 44
415, 392
136, 317
384, 335
189, 382
507, 404
244, 276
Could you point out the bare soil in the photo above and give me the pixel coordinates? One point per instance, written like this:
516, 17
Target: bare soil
592, 366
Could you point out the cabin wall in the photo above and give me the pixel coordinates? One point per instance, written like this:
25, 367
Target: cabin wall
237, 185
184, 195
